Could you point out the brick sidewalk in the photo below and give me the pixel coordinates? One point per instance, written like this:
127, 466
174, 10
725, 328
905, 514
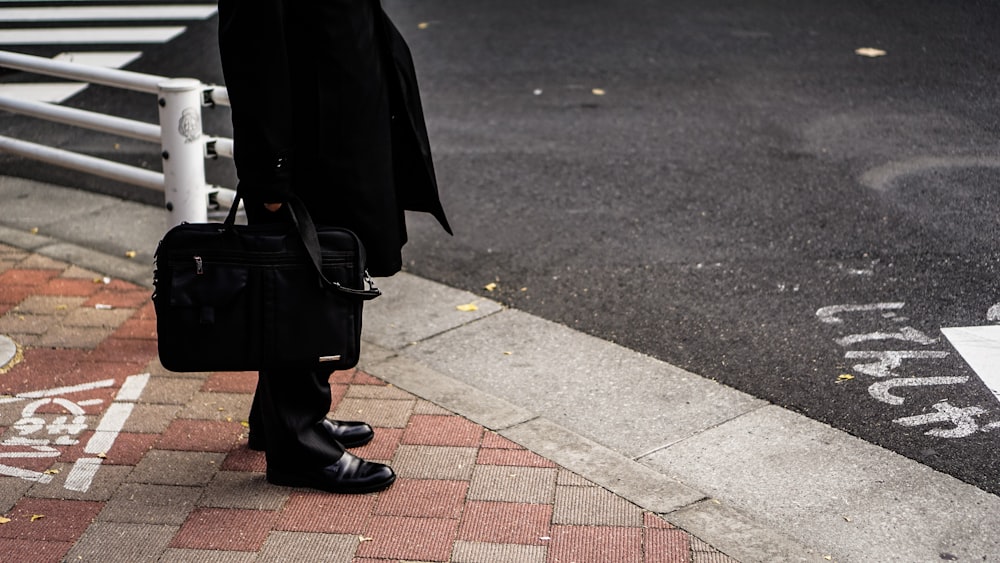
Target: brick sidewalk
106, 456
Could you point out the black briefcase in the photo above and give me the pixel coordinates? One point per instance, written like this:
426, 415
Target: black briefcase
250, 297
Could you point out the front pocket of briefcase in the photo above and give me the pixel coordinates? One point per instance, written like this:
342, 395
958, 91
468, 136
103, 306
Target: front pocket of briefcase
314, 326
210, 322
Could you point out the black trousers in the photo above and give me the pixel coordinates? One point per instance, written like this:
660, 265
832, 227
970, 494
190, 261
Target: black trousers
288, 408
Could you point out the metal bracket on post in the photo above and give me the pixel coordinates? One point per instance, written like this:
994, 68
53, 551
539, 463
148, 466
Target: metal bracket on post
180, 102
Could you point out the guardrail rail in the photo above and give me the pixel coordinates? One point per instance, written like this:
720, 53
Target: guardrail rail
184, 146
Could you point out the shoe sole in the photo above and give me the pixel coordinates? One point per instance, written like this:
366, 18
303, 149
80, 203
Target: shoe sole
294, 481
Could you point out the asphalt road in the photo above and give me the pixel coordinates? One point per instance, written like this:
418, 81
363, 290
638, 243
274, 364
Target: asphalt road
712, 183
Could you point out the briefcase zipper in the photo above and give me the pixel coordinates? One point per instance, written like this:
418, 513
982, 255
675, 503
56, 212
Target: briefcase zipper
281, 259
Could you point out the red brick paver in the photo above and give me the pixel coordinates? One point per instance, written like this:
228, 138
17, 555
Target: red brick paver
463, 492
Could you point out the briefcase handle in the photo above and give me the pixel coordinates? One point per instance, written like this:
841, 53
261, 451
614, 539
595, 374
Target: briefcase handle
307, 232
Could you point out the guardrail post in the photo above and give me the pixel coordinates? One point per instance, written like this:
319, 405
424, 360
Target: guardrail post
183, 153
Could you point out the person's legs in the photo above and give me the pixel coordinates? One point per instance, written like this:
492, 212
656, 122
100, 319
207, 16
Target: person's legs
291, 405
300, 449
349, 433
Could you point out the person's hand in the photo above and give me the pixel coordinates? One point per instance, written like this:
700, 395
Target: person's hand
272, 207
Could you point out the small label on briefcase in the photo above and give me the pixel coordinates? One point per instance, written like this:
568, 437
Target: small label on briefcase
329, 358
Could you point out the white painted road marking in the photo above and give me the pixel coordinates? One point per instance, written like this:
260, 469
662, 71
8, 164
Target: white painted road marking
59, 391
107, 13
980, 346
36, 432
111, 424
106, 59
89, 35
57, 92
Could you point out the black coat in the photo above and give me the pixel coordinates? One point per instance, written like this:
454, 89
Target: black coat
325, 104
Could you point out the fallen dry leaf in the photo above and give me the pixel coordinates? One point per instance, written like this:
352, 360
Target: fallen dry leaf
490, 286
870, 52
130, 254
33, 230
4, 520
845, 377
467, 308
423, 25
51, 471
598, 91
37, 517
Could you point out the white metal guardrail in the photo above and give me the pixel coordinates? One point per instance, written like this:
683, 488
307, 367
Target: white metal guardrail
184, 146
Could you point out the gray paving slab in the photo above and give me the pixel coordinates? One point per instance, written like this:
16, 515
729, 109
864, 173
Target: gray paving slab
138, 503
412, 309
854, 500
22, 238
635, 482
174, 555
119, 541
191, 469
561, 374
300, 546
478, 406
593, 506
535, 485
480, 552
238, 489
136, 271
744, 538
11, 491
95, 221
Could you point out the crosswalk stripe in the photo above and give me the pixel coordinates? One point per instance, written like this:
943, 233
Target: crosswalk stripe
980, 347
106, 59
107, 13
51, 92
58, 92
89, 35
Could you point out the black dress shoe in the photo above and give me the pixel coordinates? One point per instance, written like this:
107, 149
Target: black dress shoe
349, 475
349, 433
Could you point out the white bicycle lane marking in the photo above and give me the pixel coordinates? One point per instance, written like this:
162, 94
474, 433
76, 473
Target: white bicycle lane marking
44, 437
978, 346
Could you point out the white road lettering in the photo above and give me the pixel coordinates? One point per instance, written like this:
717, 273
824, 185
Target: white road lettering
37, 435
906, 334
880, 390
829, 314
963, 419
979, 346
886, 361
